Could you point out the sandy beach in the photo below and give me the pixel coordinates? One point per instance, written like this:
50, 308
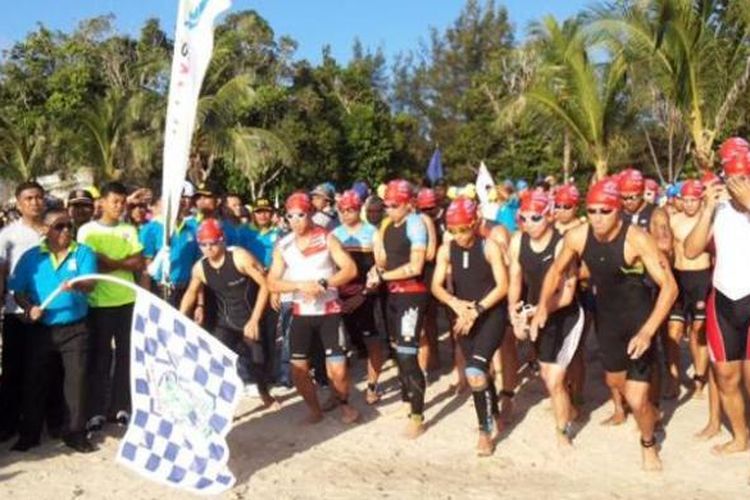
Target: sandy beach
273, 456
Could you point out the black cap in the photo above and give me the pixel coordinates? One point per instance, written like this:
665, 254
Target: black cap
80, 197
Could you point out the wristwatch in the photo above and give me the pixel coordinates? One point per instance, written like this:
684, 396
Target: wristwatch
479, 308
323, 282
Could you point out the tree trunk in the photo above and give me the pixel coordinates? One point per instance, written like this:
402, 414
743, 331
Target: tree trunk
566, 157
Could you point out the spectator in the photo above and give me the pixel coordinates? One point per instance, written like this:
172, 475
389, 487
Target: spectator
63, 334
15, 240
119, 253
80, 208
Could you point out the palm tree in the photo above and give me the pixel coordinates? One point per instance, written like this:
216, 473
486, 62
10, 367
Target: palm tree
221, 134
22, 155
583, 98
697, 53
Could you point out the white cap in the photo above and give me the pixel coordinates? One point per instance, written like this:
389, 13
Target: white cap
188, 189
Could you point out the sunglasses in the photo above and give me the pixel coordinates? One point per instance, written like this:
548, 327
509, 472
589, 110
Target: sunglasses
632, 197
535, 219
599, 211
563, 207
61, 226
206, 244
295, 216
460, 229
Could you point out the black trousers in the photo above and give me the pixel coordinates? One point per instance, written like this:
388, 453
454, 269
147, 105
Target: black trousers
15, 337
105, 325
52, 346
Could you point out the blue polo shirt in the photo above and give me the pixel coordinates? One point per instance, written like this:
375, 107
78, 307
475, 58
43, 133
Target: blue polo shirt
262, 243
237, 235
183, 248
38, 274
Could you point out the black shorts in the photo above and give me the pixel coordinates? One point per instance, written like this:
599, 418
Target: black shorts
727, 325
613, 333
485, 338
694, 289
360, 323
329, 328
404, 318
558, 341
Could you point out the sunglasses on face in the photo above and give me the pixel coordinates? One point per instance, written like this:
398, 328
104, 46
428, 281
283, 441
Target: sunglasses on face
632, 197
206, 244
563, 207
61, 226
534, 219
460, 229
295, 216
599, 211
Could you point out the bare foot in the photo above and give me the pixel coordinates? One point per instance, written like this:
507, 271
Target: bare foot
564, 444
499, 428
414, 428
699, 393
270, 402
617, 418
485, 445
349, 414
708, 432
312, 419
733, 446
371, 397
459, 387
651, 460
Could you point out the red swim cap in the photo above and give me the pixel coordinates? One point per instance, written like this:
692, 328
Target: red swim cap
604, 192
426, 199
349, 200
631, 181
567, 194
732, 147
299, 201
535, 201
709, 178
398, 191
692, 188
461, 212
739, 164
651, 185
210, 230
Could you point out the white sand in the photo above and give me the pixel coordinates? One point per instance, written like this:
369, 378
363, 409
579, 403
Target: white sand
274, 457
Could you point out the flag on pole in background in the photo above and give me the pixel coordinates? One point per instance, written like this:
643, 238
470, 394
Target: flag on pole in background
484, 184
185, 388
435, 168
194, 43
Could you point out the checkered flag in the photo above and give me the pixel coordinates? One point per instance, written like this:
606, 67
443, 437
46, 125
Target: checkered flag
184, 388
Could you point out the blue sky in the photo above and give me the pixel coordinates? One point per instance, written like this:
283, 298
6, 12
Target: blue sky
394, 25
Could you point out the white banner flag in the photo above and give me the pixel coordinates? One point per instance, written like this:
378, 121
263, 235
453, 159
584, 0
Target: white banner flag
484, 185
194, 43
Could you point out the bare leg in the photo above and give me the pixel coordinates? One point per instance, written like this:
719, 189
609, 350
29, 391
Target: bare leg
714, 410
699, 353
306, 389
728, 377
616, 383
482, 401
509, 373
337, 374
637, 396
375, 362
554, 378
672, 351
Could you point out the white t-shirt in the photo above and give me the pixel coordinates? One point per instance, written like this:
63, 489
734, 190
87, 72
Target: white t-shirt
15, 239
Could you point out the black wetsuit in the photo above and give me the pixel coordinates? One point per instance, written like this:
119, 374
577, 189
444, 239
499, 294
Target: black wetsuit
235, 295
558, 340
472, 280
623, 303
